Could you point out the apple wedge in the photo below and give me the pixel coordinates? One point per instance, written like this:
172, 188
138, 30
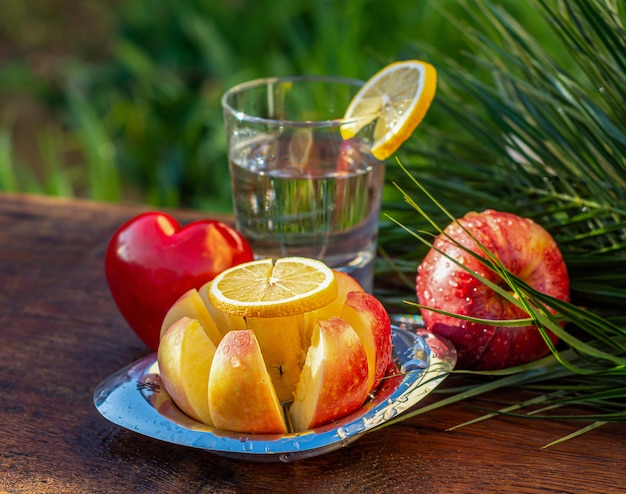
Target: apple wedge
224, 322
280, 340
190, 304
241, 396
334, 380
185, 355
345, 285
366, 314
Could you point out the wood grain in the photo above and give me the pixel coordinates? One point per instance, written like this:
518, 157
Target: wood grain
61, 334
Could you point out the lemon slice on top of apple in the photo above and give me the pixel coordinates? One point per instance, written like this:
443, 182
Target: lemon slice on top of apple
268, 288
286, 345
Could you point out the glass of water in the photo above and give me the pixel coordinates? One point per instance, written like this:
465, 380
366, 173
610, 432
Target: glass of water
299, 188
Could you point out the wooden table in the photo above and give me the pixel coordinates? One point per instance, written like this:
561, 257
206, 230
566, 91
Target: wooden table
61, 334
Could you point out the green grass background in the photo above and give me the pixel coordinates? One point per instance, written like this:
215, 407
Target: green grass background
119, 100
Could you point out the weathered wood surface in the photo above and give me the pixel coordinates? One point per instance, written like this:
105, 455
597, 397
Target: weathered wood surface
61, 334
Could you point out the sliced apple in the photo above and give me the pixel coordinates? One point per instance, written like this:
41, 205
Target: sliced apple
190, 304
185, 355
334, 381
241, 395
280, 339
345, 285
366, 314
224, 322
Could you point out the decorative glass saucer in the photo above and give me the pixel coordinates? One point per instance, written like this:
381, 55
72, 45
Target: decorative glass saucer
133, 398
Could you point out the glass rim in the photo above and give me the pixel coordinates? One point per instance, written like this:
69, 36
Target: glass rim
267, 81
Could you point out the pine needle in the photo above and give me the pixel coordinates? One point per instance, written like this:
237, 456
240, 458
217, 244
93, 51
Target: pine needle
529, 134
579, 432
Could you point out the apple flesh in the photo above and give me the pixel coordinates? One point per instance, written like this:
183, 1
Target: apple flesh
224, 322
367, 315
280, 340
345, 285
185, 356
524, 248
334, 380
241, 395
190, 304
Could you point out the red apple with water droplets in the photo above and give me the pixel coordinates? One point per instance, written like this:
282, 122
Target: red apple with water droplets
527, 250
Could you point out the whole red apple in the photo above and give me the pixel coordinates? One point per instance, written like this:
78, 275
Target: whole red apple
151, 261
527, 250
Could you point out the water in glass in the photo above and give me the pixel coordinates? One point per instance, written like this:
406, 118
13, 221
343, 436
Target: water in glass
309, 193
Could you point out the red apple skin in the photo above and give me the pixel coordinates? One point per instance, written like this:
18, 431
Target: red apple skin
334, 381
527, 250
151, 261
369, 318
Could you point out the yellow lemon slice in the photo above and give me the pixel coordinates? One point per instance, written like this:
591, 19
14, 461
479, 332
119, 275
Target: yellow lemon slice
264, 288
399, 96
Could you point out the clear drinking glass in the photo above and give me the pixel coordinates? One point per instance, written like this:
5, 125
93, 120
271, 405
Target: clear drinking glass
299, 188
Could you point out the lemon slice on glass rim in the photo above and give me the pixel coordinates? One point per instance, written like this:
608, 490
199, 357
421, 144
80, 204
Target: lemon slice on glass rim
398, 96
268, 288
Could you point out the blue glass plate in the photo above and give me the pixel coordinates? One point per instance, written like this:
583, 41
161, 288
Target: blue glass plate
133, 398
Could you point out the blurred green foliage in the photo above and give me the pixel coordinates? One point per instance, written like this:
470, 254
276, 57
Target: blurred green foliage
138, 117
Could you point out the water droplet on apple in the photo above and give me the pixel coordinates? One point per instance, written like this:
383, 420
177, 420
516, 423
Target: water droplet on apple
235, 362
